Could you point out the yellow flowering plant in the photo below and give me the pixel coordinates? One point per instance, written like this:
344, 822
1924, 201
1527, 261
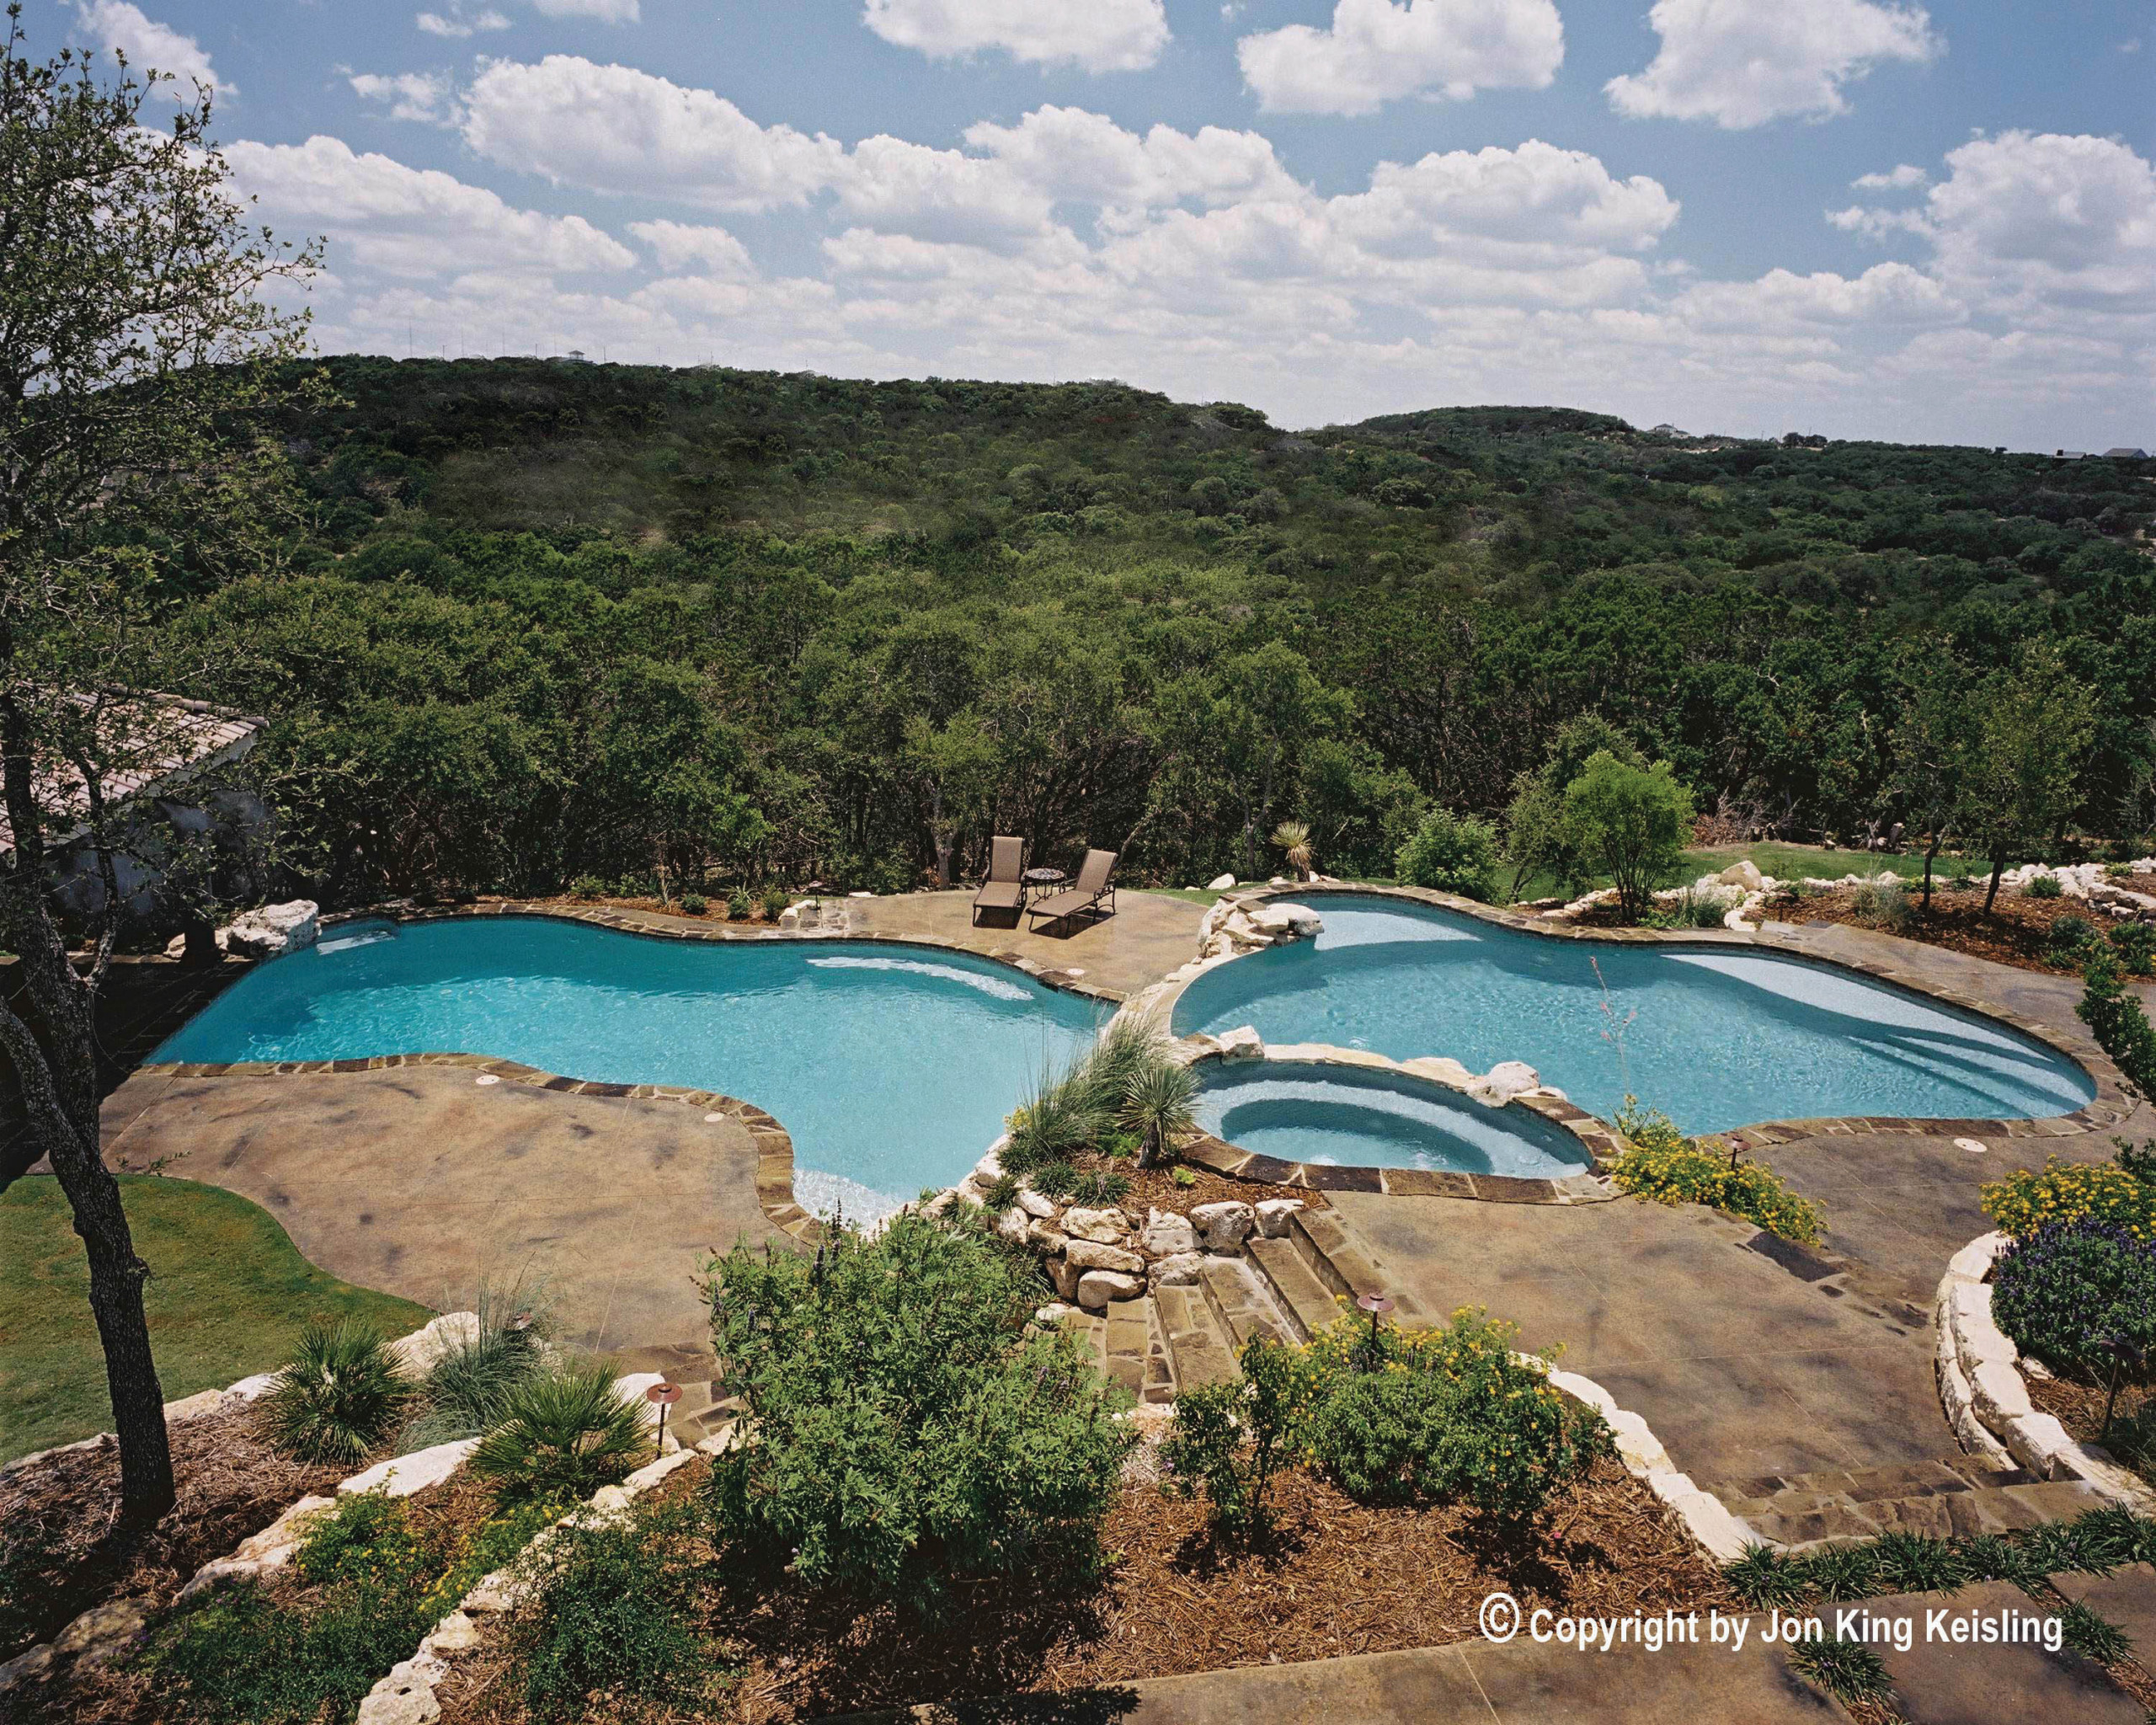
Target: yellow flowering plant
2028, 1198
1660, 1163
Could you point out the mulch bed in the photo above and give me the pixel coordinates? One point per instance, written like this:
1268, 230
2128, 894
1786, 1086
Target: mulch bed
2080, 1407
1334, 1578
2018, 931
56, 1519
1156, 1188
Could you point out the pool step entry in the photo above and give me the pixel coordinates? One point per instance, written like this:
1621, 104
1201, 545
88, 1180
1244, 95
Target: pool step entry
1957, 1496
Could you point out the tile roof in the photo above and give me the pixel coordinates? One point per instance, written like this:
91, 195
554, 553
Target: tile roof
147, 741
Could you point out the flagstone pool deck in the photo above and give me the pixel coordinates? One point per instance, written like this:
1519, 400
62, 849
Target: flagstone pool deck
1748, 1363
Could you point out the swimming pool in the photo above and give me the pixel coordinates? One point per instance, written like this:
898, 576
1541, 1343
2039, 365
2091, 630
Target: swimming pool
891, 1066
1305, 1111
1716, 1037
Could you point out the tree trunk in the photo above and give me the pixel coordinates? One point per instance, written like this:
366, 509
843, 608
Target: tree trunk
1997, 868
1930, 856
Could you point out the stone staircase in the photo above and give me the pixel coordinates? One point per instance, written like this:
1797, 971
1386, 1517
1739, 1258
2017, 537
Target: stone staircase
1288, 1288
1956, 1495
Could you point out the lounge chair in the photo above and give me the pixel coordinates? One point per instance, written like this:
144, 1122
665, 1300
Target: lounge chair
1094, 885
1004, 886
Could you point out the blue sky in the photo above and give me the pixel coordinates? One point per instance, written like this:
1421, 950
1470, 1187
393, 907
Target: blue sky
1847, 215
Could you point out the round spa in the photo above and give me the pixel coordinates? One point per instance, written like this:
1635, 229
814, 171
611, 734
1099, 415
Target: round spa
1310, 1111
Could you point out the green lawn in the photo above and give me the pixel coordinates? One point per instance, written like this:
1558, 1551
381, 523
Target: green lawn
228, 1297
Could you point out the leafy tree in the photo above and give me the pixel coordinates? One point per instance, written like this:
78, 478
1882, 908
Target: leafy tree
1930, 748
136, 351
2031, 728
1633, 823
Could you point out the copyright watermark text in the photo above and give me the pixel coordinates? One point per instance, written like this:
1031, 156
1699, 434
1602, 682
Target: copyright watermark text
1502, 1619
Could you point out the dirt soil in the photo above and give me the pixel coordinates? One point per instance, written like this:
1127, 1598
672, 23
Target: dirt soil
1335, 1578
56, 1519
2080, 1407
1156, 1188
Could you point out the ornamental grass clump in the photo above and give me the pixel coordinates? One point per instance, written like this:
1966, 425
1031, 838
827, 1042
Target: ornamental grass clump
340, 1398
908, 1425
1659, 1162
2080, 1296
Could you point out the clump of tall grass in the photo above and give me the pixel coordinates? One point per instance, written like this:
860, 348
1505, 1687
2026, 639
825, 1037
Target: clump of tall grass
562, 1434
467, 1390
1129, 1081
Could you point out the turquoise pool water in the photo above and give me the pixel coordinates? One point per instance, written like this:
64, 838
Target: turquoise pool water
891, 1066
1304, 1112
1715, 1037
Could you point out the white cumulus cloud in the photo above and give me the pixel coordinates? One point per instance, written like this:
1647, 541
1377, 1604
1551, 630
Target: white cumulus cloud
150, 46
1741, 63
1099, 35
1378, 50
604, 10
413, 221
423, 96
709, 251
1905, 177
1069, 153
614, 129
457, 25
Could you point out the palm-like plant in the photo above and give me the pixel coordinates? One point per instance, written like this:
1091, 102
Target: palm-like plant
1293, 836
561, 1435
1156, 1105
339, 1398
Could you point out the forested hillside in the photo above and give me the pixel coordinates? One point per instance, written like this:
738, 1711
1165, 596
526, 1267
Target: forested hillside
547, 620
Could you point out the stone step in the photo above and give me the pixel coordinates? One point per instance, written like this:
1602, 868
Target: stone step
1342, 1261
1199, 1350
1241, 1303
1955, 1496
1308, 1304
1126, 1341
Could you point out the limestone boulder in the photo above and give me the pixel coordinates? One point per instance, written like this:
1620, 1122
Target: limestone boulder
1167, 1234
1504, 1081
1745, 874
1092, 1255
273, 931
104, 1632
401, 1475
1013, 1224
1275, 1216
418, 1352
1107, 1226
404, 1698
1243, 1044
1178, 1271
1219, 883
1030, 1201
1223, 1227
1047, 1236
1063, 1276
1097, 1288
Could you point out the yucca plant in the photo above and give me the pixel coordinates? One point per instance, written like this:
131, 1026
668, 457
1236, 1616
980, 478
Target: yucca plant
1293, 837
339, 1398
561, 1435
1062, 1120
1156, 1105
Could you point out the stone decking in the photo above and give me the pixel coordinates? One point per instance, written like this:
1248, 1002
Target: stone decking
421, 1182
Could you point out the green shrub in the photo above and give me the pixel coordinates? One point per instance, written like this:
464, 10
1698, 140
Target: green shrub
694, 904
1156, 1105
612, 1621
739, 905
1002, 1193
1630, 824
1228, 1439
339, 1399
2120, 1192
241, 1656
1097, 1186
562, 1433
910, 1426
2135, 943
1057, 1179
365, 1538
775, 899
2071, 937
2113, 1011
588, 886
467, 1389
1453, 1413
2073, 1290
1660, 1163
1451, 853
1063, 1120
2044, 886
